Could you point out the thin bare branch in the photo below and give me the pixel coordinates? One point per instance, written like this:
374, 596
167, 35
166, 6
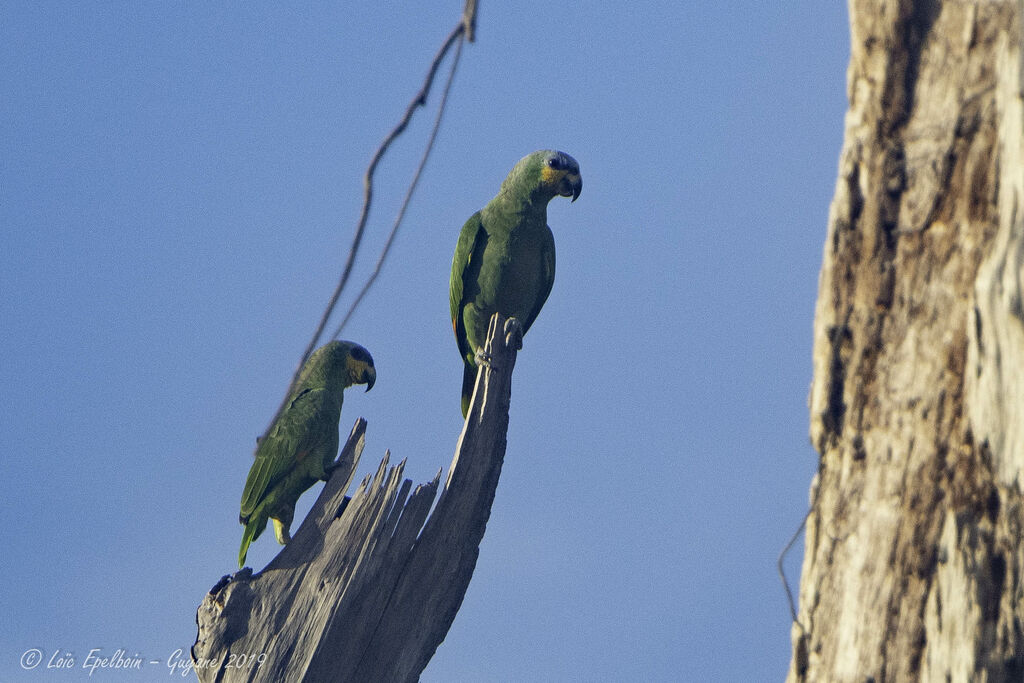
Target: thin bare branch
782, 569
469, 20
408, 194
418, 101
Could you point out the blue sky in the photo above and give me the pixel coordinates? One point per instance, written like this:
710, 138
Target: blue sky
179, 183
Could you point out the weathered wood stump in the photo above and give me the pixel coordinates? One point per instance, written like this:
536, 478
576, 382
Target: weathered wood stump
365, 590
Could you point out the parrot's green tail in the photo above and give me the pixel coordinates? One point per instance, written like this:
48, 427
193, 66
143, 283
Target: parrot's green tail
468, 381
252, 531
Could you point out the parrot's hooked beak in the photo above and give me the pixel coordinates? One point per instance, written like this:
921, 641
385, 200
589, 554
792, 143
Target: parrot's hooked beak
369, 377
571, 186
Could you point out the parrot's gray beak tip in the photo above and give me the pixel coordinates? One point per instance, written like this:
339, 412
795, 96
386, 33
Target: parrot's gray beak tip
370, 379
571, 187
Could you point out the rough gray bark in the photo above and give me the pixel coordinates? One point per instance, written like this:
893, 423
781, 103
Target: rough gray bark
913, 559
366, 591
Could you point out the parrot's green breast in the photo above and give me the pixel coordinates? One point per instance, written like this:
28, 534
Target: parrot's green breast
513, 278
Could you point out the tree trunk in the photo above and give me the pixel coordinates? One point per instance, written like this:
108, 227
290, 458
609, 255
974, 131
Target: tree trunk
913, 560
365, 591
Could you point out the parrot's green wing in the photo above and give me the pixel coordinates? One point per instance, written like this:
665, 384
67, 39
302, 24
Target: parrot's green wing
547, 257
295, 434
468, 253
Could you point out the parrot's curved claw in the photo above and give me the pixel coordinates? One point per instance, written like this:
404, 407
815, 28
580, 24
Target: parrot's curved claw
513, 333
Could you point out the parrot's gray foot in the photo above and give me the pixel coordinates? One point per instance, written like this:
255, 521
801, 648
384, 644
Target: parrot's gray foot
483, 359
513, 333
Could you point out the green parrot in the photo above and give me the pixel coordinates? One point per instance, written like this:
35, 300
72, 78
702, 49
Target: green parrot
303, 442
505, 257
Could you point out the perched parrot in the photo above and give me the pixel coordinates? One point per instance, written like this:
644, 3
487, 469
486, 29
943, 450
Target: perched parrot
302, 444
505, 257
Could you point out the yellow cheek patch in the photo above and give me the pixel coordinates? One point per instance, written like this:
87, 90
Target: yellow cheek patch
549, 176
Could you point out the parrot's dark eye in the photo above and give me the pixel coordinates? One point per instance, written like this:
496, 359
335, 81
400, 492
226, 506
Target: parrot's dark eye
555, 163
